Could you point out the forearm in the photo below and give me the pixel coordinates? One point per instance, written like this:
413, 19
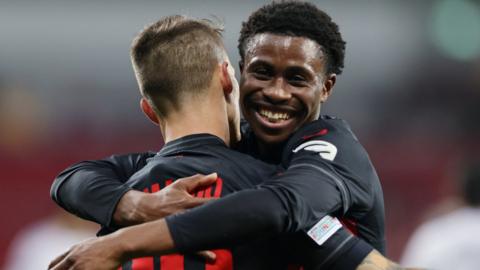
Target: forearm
88, 192
136, 207
282, 206
236, 218
92, 189
148, 239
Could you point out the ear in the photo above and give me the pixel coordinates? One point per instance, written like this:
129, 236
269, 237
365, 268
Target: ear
328, 87
148, 111
225, 79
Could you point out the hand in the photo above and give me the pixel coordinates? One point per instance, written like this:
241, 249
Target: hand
91, 254
137, 207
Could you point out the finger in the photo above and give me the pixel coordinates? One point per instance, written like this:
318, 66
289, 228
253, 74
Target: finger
65, 264
198, 181
57, 260
208, 255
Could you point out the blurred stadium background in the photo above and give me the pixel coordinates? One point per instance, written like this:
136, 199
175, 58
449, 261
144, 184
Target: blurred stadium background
410, 90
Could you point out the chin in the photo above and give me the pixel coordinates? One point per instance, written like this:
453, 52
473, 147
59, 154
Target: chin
271, 139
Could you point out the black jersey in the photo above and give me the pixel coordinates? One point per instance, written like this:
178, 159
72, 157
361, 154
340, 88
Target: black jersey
327, 173
204, 154
289, 202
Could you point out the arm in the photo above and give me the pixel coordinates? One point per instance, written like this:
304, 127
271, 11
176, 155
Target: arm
291, 202
92, 189
96, 190
153, 239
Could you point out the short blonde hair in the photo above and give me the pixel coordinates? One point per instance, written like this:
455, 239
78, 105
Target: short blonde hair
175, 56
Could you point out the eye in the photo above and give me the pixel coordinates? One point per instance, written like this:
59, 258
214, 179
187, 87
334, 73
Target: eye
262, 73
297, 79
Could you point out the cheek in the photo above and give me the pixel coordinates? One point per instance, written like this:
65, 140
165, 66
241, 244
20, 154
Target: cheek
311, 99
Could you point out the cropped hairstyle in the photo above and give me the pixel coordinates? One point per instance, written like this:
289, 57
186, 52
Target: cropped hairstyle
174, 57
298, 19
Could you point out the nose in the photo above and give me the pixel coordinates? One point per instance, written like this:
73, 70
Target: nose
276, 92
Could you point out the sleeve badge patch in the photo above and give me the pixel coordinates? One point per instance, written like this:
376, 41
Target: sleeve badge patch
325, 149
324, 229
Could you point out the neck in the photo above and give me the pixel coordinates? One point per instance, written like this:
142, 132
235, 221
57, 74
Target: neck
270, 153
204, 115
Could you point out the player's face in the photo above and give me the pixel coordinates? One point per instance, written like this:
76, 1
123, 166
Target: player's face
282, 85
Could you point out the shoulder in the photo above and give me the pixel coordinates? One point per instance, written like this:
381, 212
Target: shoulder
328, 136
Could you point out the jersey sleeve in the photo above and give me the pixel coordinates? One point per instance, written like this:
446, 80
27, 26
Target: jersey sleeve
334, 169
289, 203
342, 251
312, 187
338, 250
92, 189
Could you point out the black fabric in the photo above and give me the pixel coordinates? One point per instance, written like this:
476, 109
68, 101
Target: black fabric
205, 154
94, 187
312, 187
348, 185
352, 256
342, 251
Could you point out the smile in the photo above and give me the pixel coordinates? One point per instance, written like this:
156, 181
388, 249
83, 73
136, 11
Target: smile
274, 117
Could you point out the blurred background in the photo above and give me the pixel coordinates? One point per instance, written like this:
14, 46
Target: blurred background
410, 89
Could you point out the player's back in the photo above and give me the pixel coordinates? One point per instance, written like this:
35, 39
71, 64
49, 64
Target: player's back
204, 154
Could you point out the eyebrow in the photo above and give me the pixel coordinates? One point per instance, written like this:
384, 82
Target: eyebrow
293, 68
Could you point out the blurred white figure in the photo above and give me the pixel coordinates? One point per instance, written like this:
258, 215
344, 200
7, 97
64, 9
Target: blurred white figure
38, 244
451, 241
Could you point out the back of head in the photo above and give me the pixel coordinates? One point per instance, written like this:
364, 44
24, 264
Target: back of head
299, 19
471, 184
174, 58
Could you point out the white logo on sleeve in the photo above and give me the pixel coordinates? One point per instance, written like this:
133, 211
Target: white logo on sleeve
325, 228
325, 149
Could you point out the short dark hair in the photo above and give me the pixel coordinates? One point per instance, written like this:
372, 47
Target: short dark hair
299, 19
471, 184
175, 56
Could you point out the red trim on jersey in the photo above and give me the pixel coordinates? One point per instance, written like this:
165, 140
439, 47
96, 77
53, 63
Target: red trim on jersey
319, 133
172, 262
350, 225
208, 192
222, 262
142, 263
218, 188
155, 187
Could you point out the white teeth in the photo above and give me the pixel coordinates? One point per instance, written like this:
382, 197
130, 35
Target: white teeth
274, 116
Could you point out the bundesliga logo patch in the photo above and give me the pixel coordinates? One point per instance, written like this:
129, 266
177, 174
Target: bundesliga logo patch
325, 228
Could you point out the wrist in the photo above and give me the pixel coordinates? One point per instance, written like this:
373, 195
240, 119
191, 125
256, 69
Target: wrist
129, 210
148, 239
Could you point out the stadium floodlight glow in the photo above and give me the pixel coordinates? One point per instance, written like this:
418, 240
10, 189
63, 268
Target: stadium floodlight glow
455, 28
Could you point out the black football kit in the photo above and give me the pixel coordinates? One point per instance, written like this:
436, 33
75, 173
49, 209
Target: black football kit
327, 172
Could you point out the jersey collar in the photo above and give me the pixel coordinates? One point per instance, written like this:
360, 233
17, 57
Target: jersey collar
189, 142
